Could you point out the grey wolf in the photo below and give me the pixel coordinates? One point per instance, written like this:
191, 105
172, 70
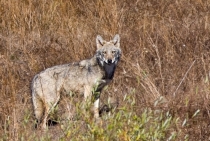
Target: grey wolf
80, 77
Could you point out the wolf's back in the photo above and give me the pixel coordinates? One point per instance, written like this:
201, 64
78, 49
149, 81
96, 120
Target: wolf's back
69, 76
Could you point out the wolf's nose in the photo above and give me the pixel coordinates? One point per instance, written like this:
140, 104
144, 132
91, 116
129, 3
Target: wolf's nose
109, 61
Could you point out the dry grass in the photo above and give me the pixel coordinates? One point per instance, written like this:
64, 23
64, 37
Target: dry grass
160, 40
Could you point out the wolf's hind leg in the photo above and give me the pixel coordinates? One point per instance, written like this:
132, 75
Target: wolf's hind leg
49, 106
48, 109
44, 118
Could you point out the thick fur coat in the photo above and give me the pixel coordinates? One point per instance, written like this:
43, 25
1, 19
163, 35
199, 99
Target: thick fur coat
81, 77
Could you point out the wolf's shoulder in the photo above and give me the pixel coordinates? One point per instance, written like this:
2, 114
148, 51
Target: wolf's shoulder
88, 62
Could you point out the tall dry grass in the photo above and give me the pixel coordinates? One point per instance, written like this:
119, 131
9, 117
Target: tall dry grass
160, 41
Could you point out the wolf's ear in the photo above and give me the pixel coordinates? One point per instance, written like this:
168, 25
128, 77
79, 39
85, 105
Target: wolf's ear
99, 41
116, 40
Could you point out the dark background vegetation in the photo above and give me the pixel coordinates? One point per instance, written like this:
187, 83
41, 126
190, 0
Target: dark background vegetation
165, 47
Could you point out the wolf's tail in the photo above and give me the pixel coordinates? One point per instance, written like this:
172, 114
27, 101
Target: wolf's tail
36, 100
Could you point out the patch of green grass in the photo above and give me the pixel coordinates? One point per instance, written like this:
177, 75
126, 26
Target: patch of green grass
125, 125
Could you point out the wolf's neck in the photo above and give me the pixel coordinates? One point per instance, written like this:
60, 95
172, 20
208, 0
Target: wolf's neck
109, 70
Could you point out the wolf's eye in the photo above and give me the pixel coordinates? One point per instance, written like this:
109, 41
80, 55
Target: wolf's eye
113, 52
104, 52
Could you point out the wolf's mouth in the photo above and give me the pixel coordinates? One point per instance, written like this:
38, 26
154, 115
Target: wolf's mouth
109, 61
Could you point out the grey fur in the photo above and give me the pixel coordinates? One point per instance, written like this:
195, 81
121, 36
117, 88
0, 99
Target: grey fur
81, 77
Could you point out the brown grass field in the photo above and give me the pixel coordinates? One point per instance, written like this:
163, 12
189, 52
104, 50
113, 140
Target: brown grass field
166, 55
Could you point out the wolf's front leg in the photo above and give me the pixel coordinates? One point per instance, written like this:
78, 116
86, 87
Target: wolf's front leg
96, 107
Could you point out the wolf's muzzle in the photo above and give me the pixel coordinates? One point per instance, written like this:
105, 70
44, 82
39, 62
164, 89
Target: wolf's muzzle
109, 61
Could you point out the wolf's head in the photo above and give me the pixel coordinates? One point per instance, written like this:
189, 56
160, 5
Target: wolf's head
108, 52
